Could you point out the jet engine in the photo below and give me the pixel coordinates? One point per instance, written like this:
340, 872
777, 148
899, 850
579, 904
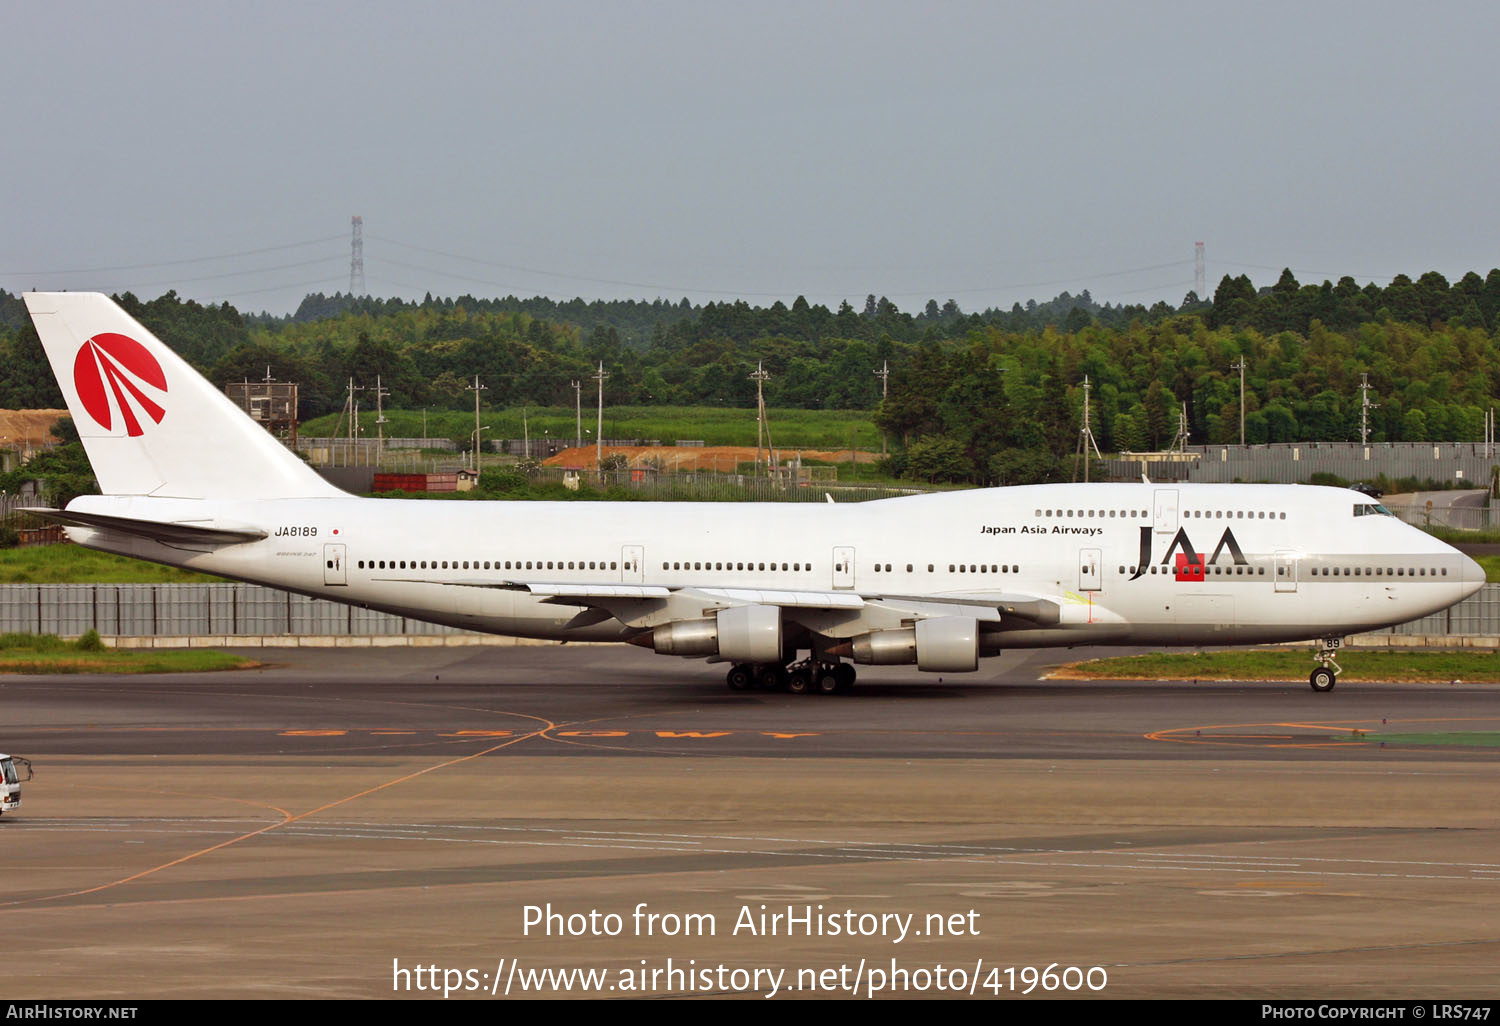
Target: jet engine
740, 634
944, 644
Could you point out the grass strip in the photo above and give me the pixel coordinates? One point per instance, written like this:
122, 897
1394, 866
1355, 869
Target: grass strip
47, 653
1289, 664
74, 564
1466, 738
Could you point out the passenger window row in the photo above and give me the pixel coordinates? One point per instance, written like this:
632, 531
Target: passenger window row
1219, 571
958, 568
1325, 571
474, 564
1379, 571
1230, 514
701, 565
1196, 514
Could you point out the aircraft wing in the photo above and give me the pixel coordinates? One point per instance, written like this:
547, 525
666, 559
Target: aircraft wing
836, 612
592, 594
1031, 608
579, 594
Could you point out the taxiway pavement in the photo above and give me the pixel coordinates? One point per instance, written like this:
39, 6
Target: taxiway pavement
315, 826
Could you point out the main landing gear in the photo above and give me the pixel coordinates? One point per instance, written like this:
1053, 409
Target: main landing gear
809, 676
1324, 677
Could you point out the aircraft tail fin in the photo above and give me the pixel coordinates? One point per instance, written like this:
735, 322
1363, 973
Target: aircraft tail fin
150, 423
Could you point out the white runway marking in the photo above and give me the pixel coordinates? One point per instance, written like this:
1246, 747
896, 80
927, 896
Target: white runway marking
832, 849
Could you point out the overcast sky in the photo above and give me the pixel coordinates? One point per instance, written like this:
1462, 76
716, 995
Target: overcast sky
985, 152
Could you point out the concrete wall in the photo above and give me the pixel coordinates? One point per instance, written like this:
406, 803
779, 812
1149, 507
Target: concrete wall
248, 610
1463, 463
181, 610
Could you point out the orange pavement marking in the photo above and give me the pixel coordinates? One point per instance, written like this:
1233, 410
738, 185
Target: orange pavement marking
288, 820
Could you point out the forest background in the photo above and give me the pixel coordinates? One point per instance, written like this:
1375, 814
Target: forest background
988, 397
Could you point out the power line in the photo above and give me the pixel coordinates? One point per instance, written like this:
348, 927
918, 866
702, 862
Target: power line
448, 274
1158, 288
673, 289
278, 288
230, 274
1307, 271
1074, 279
545, 273
178, 263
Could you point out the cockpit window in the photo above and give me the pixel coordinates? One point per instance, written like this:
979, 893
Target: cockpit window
1370, 509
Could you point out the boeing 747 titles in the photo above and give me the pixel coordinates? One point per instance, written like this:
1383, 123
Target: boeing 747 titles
788, 594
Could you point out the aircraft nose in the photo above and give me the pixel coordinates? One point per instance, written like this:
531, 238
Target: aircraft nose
1471, 576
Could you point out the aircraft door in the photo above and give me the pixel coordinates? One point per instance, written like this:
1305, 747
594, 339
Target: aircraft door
1090, 569
333, 564
1166, 511
633, 564
843, 566
1285, 570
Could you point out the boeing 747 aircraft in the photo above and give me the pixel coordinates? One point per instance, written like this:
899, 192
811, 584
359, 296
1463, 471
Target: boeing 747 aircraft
788, 594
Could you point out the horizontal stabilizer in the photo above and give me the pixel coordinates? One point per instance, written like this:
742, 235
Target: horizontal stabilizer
157, 530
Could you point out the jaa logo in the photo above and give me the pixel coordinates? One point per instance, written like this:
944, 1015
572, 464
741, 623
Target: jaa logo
111, 373
1189, 564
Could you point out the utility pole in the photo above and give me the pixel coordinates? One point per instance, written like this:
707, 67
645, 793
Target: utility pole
759, 377
352, 408
1086, 442
476, 388
1239, 365
578, 413
599, 424
1365, 406
884, 374
1180, 441
380, 394
349, 409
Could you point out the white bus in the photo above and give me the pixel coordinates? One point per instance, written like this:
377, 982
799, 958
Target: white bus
10, 781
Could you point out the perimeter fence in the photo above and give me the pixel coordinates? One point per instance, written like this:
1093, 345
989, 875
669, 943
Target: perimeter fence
249, 610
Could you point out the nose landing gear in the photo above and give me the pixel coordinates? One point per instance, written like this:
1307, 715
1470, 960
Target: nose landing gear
1326, 675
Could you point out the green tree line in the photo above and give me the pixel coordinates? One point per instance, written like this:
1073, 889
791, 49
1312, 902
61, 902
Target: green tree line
990, 396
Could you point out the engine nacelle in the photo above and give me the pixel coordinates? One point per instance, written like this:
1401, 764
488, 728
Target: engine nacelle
687, 638
948, 644
741, 634
885, 648
944, 644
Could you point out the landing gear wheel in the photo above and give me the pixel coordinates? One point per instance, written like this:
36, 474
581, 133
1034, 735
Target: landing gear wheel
828, 682
1327, 674
770, 677
844, 673
738, 677
1322, 679
799, 682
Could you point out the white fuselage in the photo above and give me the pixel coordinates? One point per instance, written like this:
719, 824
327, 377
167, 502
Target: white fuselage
1126, 563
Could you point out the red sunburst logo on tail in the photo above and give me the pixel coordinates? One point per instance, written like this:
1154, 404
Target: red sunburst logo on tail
113, 364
